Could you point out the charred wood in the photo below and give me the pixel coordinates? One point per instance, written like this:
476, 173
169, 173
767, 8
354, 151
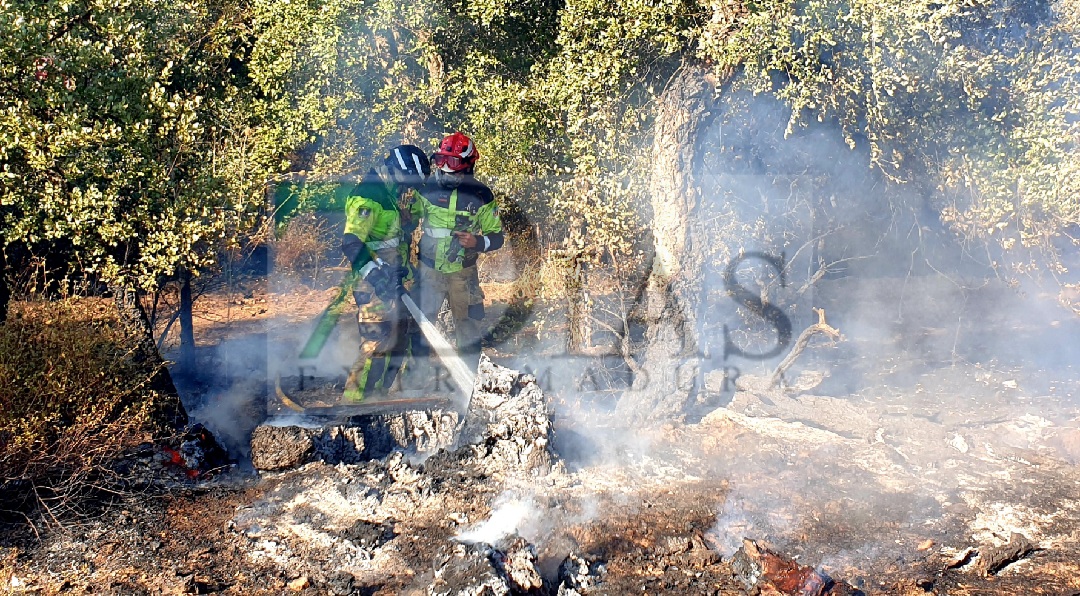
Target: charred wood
993, 560
772, 574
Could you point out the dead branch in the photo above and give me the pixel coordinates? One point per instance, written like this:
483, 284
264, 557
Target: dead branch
626, 351
800, 344
165, 332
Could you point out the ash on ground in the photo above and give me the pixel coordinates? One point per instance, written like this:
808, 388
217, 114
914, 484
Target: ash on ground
886, 502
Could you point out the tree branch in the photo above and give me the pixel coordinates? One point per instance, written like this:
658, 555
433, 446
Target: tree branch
800, 344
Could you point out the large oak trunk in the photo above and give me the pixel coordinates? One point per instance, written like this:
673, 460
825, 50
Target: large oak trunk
673, 291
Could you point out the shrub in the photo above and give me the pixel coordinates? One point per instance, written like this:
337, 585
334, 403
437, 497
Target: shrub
303, 246
73, 399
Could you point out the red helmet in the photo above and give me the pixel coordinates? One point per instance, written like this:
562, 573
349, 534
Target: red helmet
456, 153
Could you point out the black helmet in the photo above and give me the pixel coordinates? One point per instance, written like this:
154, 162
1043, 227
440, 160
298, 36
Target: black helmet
408, 165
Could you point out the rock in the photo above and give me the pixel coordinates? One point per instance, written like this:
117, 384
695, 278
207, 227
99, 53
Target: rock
577, 576
280, 447
299, 584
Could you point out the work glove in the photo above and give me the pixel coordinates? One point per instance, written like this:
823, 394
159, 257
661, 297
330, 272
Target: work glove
385, 280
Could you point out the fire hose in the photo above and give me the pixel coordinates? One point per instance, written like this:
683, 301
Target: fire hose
459, 371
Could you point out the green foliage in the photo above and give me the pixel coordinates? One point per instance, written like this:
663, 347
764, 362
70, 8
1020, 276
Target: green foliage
981, 95
143, 132
340, 80
613, 61
117, 132
73, 397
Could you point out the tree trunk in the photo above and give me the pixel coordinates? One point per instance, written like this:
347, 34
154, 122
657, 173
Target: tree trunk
133, 319
187, 331
673, 291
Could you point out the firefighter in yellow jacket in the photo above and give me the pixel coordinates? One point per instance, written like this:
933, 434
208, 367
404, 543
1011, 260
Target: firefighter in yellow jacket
459, 219
375, 246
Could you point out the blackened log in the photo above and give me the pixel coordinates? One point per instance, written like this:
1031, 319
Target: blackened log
993, 560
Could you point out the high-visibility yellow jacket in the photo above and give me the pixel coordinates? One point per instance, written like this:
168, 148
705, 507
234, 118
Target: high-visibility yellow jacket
470, 207
372, 220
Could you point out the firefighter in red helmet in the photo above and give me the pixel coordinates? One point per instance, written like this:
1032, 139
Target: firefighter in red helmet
459, 219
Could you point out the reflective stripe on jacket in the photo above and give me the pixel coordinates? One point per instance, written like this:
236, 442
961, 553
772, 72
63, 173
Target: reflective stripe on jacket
468, 208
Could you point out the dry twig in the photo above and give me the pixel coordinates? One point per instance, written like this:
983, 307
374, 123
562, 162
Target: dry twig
800, 344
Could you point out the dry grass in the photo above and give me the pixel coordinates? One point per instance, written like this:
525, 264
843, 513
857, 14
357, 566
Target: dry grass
302, 247
72, 400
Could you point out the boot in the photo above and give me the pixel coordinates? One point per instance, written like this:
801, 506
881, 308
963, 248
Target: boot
354, 392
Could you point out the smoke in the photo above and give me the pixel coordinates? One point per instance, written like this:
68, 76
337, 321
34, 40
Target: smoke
510, 515
743, 517
899, 285
231, 416
797, 222
589, 443
233, 387
933, 333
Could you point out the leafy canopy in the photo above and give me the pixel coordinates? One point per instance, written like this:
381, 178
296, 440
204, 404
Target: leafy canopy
982, 96
143, 132
118, 132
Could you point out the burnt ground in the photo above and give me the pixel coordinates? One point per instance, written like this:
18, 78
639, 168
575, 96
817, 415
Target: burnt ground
903, 472
655, 522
